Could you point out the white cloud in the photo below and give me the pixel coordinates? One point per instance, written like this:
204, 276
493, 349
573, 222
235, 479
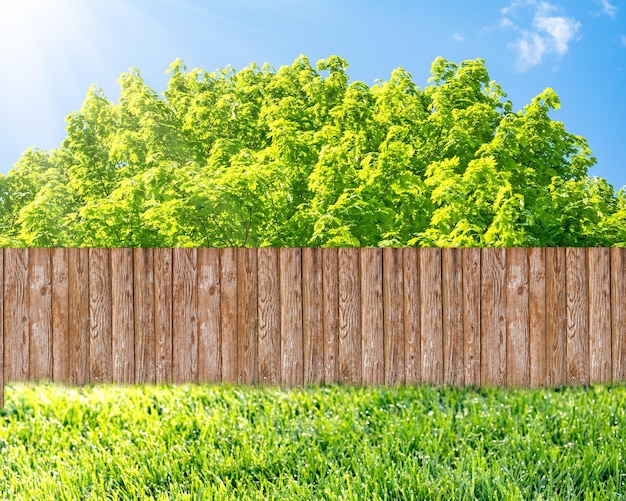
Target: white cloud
607, 8
560, 30
458, 37
549, 33
505, 22
530, 49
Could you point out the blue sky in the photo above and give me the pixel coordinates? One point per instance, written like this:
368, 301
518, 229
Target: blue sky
51, 51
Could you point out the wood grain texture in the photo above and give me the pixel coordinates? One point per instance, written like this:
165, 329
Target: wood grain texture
431, 315
270, 359
291, 346
493, 317
100, 355
123, 321
471, 315
163, 314
209, 331
412, 317
313, 315
349, 316
60, 316
372, 324
40, 314
577, 281
298, 316
393, 310
184, 315
600, 358
247, 307
452, 297
618, 313
517, 335
228, 313
16, 315
144, 316
330, 280
537, 316
78, 285
556, 318
2, 373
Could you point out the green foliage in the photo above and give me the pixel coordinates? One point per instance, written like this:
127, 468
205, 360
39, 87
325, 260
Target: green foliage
301, 156
326, 443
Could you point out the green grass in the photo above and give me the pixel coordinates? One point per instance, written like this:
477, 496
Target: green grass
208, 442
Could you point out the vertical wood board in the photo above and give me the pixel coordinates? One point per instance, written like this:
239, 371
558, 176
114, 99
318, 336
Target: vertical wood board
471, 315
577, 283
100, 356
40, 314
350, 369
372, 351
431, 315
122, 322
493, 317
393, 309
270, 358
452, 304
184, 315
313, 315
209, 335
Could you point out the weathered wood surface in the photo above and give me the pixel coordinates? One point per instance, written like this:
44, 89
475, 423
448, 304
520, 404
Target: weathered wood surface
372, 321
493, 326
350, 367
431, 316
495, 317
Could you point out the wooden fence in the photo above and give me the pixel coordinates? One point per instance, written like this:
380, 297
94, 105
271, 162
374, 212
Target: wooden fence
497, 317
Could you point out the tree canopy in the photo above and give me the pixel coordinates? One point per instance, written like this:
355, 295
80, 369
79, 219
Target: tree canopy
301, 156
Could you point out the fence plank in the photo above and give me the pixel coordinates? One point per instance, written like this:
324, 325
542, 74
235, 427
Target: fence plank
618, 313
431, 315
145, 346
78, 285
247, 309
2, 373
556, 317
228, 313
393, 310
313, 315
452, 304
471, 315
100, 356
290, 261
269, 317
349, 316
184, 315
60, 316
330, 281
600, 362
493, 317
372, 328
518, 339
163, 314
577, 316
16, 314
537, 316
40, 317
122, 321
209, 335
412, 318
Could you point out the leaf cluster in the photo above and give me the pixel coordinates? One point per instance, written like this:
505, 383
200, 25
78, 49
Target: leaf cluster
301, 156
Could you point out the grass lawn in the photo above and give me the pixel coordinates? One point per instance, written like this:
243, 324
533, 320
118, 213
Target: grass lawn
219, 442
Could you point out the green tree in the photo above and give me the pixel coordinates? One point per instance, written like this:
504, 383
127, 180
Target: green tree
302, 156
